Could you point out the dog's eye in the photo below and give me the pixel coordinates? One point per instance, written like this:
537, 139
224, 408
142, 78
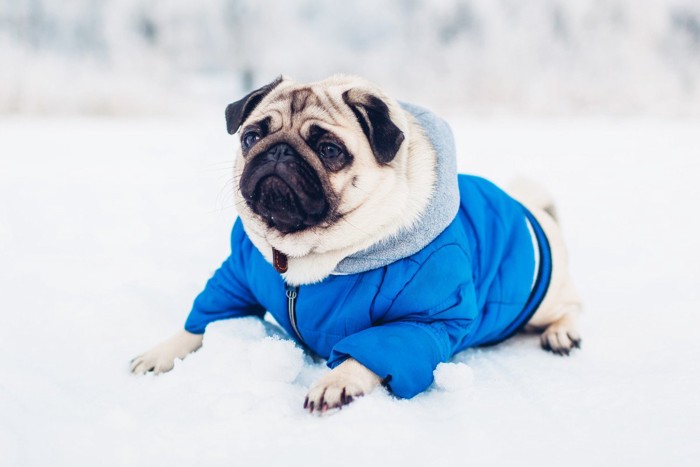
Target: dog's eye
249, 139
329, 150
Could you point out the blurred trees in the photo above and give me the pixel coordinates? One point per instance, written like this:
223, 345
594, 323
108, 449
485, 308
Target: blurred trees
540, 55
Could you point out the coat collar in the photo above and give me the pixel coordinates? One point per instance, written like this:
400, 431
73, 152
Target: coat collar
441, 210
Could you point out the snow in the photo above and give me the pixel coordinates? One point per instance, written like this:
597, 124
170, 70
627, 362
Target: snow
109, 227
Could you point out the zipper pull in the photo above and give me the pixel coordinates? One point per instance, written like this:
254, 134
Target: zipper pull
292, 293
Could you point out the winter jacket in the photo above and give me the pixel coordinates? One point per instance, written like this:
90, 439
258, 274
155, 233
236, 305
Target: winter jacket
477, 283
470, 272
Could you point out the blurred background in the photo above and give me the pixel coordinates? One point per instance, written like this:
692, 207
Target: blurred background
539, 57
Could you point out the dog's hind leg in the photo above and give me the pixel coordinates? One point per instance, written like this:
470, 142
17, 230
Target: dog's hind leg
557, 319
562, 335
557, 315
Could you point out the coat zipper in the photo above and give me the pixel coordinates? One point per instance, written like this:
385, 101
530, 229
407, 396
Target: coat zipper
292, 293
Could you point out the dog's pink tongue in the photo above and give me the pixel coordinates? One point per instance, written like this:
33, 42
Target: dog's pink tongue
279, 261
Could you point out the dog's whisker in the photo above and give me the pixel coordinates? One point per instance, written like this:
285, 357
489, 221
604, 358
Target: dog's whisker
354, 226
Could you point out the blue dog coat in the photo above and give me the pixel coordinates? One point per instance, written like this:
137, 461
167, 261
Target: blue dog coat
477, 282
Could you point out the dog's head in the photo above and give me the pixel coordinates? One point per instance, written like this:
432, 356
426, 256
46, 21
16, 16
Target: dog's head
322, 166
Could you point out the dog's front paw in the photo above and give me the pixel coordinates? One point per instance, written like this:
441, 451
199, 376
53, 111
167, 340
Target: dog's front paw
161, 358
331, 395
341, 386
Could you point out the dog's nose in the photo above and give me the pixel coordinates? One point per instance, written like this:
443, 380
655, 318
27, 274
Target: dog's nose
280, 152
283, 189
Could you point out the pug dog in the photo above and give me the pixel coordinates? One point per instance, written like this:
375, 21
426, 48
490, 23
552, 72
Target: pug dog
357, 234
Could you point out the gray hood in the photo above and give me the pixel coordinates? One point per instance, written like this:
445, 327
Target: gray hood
442, 207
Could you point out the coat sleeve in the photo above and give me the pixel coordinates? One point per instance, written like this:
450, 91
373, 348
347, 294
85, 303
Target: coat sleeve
226, 294
423, 327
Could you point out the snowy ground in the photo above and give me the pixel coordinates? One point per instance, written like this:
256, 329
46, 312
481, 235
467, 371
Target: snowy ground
108, 229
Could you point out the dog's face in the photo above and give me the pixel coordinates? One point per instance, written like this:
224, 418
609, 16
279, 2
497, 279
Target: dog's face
318, 164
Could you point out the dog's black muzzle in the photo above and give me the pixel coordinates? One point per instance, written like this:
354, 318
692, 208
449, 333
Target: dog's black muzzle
283, 189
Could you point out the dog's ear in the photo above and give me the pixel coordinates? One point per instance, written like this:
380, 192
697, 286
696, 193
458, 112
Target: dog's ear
237, 112
372, 113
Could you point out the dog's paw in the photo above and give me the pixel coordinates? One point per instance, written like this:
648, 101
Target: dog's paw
341, 386
560, 339
334, 395
152, 361
161, 358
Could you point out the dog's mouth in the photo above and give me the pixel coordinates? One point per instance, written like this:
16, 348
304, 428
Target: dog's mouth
284, 190
282, 207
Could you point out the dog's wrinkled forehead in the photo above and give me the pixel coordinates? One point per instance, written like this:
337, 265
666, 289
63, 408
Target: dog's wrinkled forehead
299, 101
286, 105
297, 108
